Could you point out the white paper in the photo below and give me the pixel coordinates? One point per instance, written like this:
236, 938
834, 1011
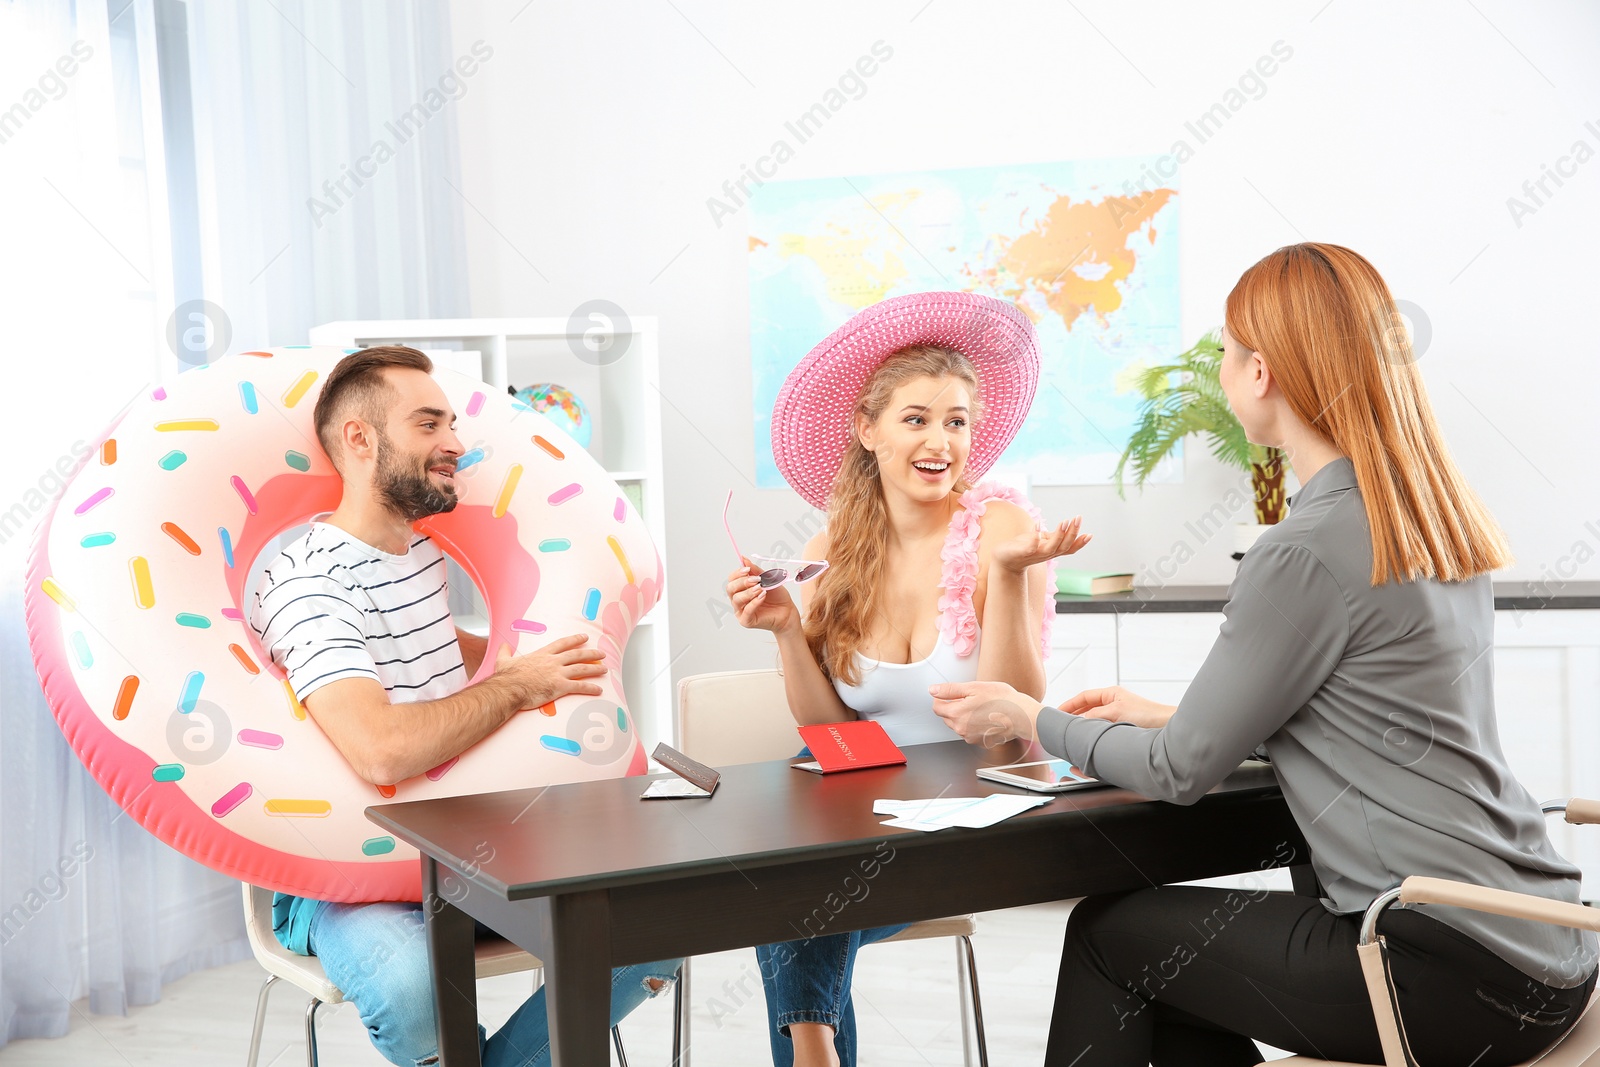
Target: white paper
939, 813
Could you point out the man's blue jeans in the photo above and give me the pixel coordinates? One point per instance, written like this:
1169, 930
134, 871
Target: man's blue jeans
378, 955
808, 981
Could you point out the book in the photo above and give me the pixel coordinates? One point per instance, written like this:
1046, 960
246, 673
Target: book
1092, 583
850, 746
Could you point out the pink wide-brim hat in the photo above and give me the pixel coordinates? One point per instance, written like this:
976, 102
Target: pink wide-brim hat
813, 420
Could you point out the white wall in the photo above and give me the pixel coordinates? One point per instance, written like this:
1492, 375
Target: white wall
593, 138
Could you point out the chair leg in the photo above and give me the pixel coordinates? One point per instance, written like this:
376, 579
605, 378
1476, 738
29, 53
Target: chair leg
261, 1019
311, 1032
680, 1016
964, 997
616, 1039
977, 1001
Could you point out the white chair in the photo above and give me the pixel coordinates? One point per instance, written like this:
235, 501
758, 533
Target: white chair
743, 717
1581, 1045
493, 957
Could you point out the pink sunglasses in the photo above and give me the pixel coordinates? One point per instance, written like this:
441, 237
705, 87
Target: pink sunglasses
774, 572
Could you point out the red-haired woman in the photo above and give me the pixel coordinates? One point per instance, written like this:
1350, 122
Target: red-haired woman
889, 424
1356, 648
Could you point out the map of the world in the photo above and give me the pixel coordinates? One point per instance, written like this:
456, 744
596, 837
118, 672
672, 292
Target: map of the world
1088, 249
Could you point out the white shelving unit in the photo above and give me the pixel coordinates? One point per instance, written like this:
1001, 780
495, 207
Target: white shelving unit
624, 402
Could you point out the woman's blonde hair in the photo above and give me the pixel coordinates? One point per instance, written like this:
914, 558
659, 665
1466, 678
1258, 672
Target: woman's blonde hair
842, 607
1323, 320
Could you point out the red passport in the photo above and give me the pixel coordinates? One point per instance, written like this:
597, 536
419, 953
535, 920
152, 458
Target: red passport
851, 745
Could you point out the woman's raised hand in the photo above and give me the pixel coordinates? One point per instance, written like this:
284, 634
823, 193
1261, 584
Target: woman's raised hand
1037, 546
758, 608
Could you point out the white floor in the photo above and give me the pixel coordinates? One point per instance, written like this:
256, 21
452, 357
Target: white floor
906, 1010
905, 994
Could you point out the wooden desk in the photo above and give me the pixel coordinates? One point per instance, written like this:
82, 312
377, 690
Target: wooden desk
587, 876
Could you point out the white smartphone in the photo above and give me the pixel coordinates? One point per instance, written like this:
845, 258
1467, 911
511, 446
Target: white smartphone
1046, 776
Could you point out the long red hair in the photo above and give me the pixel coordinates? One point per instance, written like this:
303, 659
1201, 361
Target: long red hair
1325, 323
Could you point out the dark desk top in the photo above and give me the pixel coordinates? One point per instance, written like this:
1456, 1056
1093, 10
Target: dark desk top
1508, 596
597, 835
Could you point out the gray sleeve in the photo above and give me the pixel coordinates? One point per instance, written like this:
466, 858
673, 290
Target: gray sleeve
1285, 629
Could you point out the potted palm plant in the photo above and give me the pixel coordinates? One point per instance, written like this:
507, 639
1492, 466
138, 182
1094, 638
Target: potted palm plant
1185, 397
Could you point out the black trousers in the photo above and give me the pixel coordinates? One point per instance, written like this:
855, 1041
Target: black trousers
1185, 975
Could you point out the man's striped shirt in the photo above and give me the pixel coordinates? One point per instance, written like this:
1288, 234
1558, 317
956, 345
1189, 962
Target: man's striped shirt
332, 607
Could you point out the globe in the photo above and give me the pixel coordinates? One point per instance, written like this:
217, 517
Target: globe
561, 406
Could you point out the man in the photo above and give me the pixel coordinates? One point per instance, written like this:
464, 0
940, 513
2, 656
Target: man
356, 613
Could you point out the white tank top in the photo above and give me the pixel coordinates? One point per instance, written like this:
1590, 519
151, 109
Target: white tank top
896, 694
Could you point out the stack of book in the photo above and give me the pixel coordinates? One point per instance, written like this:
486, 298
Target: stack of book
1092, 583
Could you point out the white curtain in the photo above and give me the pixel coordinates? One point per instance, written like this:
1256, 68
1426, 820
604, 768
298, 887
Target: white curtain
303, 222
155, 153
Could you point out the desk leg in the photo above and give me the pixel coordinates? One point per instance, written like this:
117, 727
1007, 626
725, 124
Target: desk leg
577, 979
455, 987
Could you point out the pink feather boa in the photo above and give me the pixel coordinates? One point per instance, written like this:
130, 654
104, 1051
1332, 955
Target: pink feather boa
957, 619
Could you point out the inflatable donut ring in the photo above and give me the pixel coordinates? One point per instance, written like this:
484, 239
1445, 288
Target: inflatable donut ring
135, 612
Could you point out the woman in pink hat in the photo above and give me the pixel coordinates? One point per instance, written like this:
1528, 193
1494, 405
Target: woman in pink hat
931, 576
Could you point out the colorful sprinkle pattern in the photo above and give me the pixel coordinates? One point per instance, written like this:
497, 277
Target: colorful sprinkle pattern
231, 799
174, 531
164, 561
565, 493
93, 499
191, 691
260, 739
507, 487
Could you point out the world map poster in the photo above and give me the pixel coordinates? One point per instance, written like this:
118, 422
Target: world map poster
1087, 249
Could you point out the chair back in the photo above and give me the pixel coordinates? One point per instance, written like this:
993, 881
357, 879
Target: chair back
735, 717
258, 921
304, 972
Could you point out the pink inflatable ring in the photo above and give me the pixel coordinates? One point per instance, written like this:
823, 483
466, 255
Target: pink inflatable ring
135, 611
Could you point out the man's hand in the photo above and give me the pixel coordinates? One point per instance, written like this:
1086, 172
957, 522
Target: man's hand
1118, 705
558, 669
387, 743
985, 713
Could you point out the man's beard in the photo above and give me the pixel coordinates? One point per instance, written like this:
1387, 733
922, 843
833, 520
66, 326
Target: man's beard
406, 488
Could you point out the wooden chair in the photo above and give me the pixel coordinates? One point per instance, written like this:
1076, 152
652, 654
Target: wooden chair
493, 956
1580, 1046
743, 717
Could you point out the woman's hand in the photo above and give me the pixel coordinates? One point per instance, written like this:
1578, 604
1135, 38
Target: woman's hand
758, 608
1118, 705
1037, 546
985, 713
